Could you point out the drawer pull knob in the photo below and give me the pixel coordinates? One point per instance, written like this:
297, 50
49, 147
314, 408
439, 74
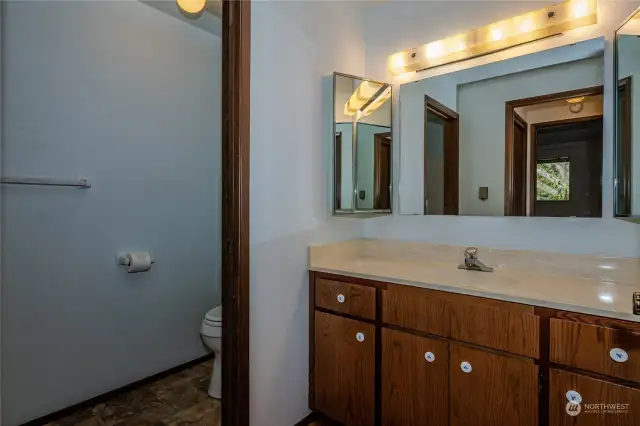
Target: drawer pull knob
618, 355
341, 298
573, 396
360, 337
466, 367
429, 356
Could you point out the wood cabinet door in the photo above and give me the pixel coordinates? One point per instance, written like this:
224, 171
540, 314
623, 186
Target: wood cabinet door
415, 380
344, 369
602, 403
488, 389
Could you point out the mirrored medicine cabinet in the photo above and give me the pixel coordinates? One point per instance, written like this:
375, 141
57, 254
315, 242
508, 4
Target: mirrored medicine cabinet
627, 112
362, 146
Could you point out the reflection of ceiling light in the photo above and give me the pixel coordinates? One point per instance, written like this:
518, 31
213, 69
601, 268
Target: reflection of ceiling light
605, 297
377, 103
606, 266
576, 100
365, 91
191, 8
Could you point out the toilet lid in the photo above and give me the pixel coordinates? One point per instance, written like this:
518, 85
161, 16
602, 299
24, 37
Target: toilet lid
214, 315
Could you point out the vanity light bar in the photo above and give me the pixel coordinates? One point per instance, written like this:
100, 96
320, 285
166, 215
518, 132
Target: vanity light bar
532, 26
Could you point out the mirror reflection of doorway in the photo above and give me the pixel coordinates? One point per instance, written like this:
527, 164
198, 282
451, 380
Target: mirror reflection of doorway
382, 170
440, 159
568, 167
553, 155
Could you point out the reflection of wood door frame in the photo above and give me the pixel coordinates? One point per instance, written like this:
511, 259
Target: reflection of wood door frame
451, 155
338, 157
510, 106
623, 143
533, 156
379, 140
520, 210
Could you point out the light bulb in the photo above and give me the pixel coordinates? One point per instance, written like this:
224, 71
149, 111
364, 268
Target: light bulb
397, 61
191, 8
434, 50
526, 26
580, 9
496, 34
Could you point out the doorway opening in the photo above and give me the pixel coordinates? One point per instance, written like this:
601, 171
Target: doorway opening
382, 171
553, 155
441, 141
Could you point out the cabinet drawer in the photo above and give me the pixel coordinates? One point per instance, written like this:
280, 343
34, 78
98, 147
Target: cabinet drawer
624, 411
352, 299
589, 347
495, 324
415, 309
505, 326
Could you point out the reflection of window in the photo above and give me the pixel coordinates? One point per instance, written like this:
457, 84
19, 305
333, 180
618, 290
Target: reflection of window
553, 179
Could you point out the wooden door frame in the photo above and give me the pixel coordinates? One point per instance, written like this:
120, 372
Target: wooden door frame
450, 140
510, 106
623, 148
517, 117
532, 161
236, 59
379, 139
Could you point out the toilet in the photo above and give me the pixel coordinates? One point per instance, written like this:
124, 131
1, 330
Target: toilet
211, 332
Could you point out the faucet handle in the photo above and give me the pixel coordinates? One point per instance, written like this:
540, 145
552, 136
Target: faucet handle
471, 253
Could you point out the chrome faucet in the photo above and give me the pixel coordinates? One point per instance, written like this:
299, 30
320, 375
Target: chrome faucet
471, 262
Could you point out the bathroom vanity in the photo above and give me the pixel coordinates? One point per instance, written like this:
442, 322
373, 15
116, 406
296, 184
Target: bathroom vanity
393, 344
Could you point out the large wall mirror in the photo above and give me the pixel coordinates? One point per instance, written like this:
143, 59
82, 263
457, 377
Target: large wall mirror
362, 142
518, 137
627, 152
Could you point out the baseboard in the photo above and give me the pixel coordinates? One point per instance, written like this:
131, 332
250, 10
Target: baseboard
49, 418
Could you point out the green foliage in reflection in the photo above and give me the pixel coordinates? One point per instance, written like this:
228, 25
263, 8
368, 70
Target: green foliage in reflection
553, 181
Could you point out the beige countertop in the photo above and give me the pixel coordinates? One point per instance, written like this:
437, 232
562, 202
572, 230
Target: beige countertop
596, 285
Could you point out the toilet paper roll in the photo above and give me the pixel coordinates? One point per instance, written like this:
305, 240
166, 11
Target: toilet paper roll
138, 261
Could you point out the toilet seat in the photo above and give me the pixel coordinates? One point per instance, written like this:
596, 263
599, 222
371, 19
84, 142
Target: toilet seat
214, 315
212, 323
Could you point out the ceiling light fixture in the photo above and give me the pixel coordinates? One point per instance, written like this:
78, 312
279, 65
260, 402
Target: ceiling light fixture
532, 26
191, 9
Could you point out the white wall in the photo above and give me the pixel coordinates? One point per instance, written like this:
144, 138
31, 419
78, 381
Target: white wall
629, 66
366, 159
293, 46
559, 110
346, 187
434, 141
481, 106
408, 24
129, 97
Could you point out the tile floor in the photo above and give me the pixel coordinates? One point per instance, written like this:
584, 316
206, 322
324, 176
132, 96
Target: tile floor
177, 400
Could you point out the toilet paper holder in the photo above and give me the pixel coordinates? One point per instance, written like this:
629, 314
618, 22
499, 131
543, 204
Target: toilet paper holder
124, 260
